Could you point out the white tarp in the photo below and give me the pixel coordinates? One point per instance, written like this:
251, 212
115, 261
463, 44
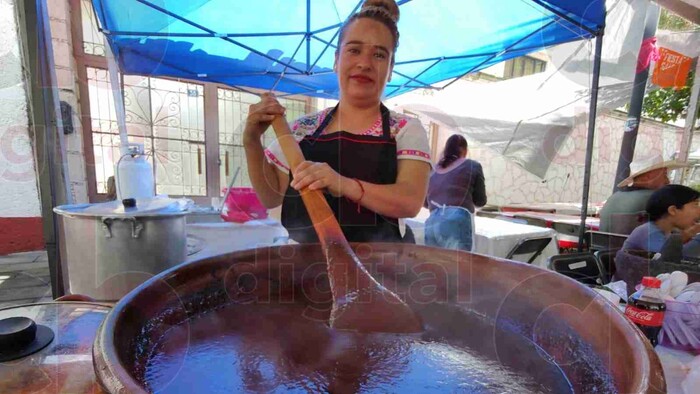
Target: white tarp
525, 117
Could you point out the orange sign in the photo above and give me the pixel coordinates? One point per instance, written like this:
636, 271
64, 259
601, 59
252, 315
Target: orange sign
671, 70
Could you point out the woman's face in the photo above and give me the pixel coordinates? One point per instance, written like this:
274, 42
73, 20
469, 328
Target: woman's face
686, 216
363, 61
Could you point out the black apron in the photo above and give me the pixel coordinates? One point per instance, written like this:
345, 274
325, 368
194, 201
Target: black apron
368, 158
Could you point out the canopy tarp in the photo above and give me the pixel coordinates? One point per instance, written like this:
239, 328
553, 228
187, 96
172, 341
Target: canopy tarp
289, 45
528, 119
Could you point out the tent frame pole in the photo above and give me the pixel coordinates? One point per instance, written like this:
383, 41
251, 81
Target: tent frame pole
690, 121
591, 135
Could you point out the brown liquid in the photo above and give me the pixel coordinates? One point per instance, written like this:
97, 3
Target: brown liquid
277, 348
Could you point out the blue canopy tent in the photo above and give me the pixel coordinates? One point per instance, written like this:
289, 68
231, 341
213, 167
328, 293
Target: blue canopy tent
289, 45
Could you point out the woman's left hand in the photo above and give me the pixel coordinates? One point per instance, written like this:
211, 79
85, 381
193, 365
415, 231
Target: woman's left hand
317, 176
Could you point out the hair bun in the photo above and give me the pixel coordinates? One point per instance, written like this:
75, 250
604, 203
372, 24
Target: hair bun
387, 6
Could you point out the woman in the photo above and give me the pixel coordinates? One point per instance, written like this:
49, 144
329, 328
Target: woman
456, 187
673, 208
372, 162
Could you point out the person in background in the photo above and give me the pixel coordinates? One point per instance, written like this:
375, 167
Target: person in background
455, 188
111, 189
624, 210
372, 163
673, 208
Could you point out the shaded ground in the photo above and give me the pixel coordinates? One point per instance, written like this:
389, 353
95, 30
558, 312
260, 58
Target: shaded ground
24, 278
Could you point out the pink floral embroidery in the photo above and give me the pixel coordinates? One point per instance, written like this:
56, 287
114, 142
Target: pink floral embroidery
413, 152
271, 156
308, 124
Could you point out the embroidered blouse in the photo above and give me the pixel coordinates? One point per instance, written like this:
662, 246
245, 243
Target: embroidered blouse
411, 138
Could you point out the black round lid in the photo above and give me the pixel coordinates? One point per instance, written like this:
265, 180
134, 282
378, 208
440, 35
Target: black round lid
21, 336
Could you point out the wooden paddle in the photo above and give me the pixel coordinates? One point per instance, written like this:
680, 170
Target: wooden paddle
359, 302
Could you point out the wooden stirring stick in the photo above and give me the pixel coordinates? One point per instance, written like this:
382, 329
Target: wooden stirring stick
359, 302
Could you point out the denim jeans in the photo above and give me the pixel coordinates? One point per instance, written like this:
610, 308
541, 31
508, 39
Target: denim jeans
449, 228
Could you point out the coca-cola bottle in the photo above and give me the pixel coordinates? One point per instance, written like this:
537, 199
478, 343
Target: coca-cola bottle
646, 308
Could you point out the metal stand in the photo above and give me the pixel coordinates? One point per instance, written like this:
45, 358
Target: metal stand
591, 133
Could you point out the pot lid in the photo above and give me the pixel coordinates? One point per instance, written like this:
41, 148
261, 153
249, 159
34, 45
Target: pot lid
144, 207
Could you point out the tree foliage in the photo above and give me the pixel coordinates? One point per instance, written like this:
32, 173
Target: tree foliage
668, 104
670, 21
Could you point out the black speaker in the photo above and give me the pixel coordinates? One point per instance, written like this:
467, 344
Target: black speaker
67, 118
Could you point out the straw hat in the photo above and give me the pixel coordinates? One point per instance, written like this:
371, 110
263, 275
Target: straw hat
642, 166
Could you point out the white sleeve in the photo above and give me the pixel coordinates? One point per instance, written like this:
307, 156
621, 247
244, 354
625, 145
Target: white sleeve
412, 142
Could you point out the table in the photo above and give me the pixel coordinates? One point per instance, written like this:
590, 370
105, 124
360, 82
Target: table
566, 208
553, 218
567, 226
218, 238
495, 237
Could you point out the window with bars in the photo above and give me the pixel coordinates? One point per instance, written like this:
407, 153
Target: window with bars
166, 116
93, 40
522, 66
233, 111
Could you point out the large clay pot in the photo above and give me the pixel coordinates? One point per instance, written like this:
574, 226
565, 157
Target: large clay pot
588, 338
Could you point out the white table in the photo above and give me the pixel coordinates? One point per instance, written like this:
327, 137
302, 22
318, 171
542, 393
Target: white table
219, 238
495, 237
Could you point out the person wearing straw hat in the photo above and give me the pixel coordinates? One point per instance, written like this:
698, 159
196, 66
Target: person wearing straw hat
625, 209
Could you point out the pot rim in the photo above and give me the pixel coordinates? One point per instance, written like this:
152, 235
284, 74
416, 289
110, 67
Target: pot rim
76, 210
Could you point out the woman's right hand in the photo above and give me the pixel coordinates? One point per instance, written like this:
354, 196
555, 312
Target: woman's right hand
260, 116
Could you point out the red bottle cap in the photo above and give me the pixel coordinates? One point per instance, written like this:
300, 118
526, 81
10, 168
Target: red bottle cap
650, 281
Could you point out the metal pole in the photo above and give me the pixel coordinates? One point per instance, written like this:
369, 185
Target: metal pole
50, 83
591, 134
41, 112
629, 139
115, 84
690, 119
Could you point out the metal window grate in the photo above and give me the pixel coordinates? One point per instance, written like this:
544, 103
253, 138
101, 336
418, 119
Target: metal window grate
93, 40
233, 111
166, 116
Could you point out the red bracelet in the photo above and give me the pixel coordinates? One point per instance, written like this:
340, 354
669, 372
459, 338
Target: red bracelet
361, 195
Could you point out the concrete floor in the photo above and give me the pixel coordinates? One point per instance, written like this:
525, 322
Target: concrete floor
24, 278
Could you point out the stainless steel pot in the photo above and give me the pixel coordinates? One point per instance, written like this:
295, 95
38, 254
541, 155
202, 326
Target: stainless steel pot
107, 250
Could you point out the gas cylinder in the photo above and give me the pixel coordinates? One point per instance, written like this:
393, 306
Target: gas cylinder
134, 174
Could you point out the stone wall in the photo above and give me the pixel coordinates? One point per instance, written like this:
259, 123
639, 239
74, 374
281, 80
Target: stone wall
60, 20
508, 183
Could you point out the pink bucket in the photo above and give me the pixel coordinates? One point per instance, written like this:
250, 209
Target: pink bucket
242, 205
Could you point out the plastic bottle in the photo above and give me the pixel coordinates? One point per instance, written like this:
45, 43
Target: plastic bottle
646, 308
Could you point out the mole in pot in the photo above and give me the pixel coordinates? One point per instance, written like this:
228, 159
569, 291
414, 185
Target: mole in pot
281, 348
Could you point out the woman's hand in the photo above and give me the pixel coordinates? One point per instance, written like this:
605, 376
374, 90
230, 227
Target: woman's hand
690, 232
319, 176
260, 116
